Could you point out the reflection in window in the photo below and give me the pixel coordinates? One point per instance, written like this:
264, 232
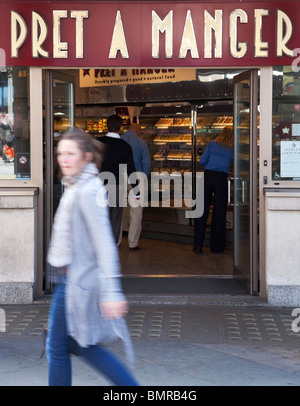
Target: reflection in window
14, 123
286, 124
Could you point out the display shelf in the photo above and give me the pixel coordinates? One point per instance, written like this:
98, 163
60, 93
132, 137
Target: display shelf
179, 156
98, 125
165, 138
170, 143
169, 139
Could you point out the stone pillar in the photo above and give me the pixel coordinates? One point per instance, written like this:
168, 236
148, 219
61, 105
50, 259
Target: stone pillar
282, 247
18, 241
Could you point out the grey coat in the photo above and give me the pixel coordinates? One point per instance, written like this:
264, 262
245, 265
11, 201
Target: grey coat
94, 274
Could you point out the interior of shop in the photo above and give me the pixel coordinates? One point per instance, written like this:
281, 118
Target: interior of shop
163, 109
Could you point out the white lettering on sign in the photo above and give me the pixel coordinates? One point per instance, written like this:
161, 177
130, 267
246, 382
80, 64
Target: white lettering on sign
188, 42
39, 32
166, 26
261, 47
17, 24
79, 16
38, 25
284, 33
237, 49
118, 42
215, 24
60, 49
212, 45
210, 41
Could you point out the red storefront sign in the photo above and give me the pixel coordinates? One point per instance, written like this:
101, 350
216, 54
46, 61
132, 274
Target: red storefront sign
134, 34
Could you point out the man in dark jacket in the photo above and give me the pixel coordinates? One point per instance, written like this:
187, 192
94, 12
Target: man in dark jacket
117, 158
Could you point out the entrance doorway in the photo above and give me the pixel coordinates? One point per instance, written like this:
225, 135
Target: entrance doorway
178, 121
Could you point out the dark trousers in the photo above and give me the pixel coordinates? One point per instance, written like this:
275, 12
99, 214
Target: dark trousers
116, 211
216, 187
116, 215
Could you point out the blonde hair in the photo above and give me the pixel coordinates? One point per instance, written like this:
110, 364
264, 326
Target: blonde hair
86, 143
226, 137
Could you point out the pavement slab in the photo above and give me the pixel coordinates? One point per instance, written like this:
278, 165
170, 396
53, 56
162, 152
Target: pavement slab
185, 345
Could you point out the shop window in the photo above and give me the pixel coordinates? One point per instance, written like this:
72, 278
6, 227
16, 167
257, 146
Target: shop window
286, 124
14, 123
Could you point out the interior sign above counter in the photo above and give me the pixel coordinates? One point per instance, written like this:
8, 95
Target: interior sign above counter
145, 34
111, 77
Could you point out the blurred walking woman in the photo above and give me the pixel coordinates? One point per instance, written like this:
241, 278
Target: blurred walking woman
216, 160
88, 304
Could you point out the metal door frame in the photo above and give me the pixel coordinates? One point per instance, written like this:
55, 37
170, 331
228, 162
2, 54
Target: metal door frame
50, 76
252, 75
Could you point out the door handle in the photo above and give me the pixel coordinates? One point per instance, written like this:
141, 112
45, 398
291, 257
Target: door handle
243, 191
229, 202
242, 195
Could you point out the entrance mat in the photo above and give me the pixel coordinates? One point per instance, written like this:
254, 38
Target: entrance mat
178, 285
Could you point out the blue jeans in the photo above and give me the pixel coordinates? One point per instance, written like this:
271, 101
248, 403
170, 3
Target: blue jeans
59, 346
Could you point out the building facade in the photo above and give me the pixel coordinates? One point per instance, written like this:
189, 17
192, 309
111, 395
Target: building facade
64, 63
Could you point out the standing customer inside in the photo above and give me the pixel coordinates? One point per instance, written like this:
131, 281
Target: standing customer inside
216, 160
142, 163
88, 304
117, 162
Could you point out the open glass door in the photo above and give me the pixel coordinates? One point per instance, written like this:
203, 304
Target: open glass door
59, 117
245, 180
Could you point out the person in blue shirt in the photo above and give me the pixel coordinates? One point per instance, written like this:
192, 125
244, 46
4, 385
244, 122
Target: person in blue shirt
141, 156
216, 160
142, 163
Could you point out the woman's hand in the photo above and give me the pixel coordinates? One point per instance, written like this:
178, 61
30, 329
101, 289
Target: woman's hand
114, 310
